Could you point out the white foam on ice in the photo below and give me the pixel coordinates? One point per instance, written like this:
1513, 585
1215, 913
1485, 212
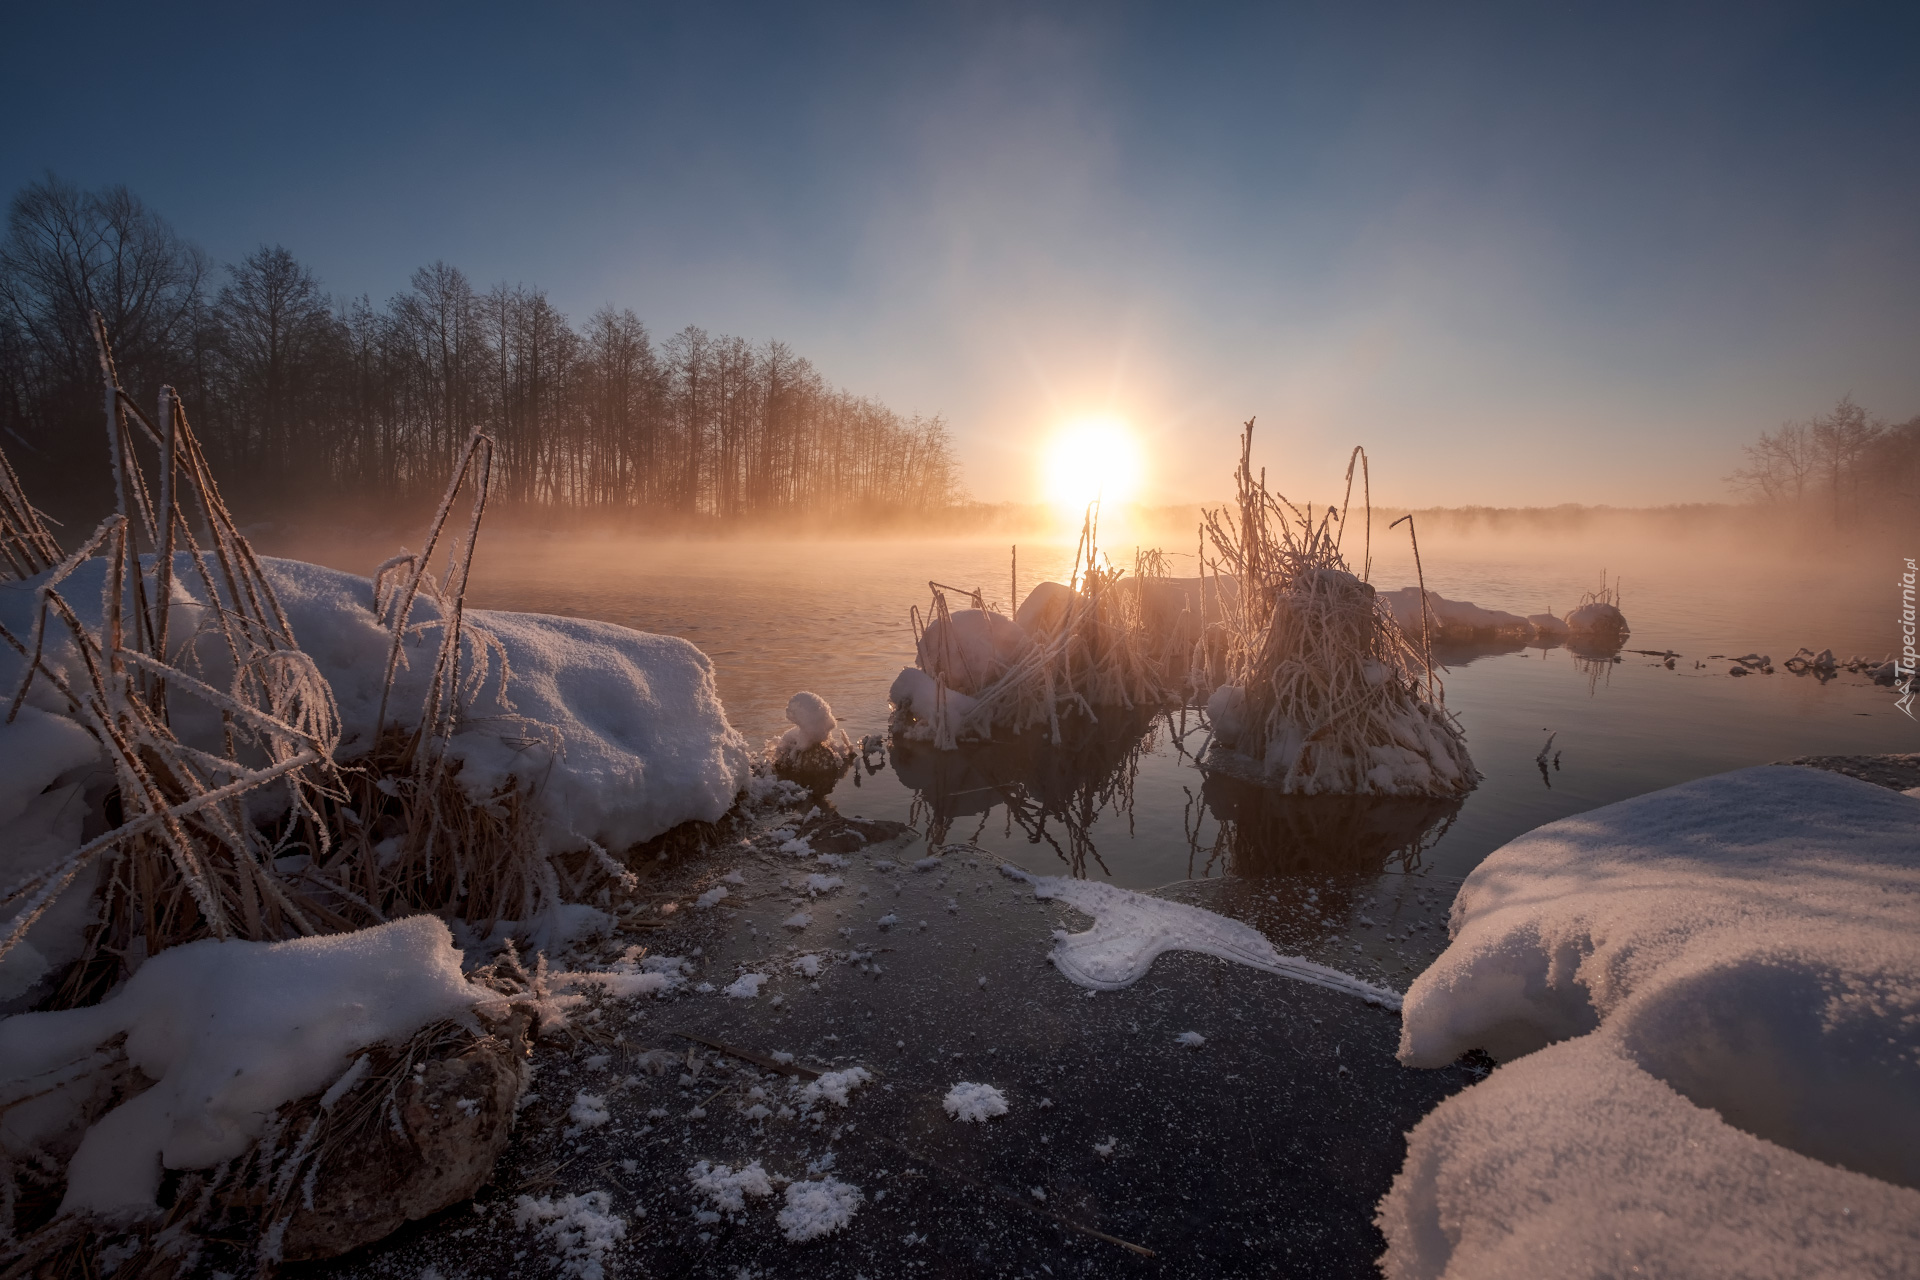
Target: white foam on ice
1130, 930
1712, 993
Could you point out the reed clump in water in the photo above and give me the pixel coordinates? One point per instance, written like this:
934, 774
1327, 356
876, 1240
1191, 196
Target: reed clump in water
1309, 680
1071, 649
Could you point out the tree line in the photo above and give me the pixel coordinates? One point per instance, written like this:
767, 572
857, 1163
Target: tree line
1845, 467
296, 392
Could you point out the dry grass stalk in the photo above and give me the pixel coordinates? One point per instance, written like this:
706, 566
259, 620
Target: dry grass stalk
1100, 654
393, 833
186, 859
1329, 692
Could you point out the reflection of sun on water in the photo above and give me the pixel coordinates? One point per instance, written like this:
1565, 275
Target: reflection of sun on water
1091, 458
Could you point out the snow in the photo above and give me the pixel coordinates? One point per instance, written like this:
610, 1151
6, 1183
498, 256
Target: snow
726, 1188
1710, 992
817, 883
583, 1228
913, 692
45, 760
1227, 714
1597, 618
835, 1085
588, 1110
1045, 607
974, 1103
971, 648
228, 1031
1190, 1039
1453, 619
745, 987
638, 741
808, 965
813, 725
712, 897
1130, 930
818, 1208
798, 920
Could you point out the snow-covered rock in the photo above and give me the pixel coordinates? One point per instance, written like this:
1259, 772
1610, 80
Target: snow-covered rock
1044, 609
1454, 619
1713, 996
1599, 620
971, 648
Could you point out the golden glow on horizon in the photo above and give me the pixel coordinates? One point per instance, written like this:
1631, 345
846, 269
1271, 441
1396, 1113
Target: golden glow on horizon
1094, 457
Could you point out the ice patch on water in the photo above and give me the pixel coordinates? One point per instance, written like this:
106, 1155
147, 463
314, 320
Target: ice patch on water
1131, 930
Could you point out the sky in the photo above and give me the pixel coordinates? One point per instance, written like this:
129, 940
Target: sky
1525, 254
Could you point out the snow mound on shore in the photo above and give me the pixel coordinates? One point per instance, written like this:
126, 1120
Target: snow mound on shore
229, 1031
1131, 930
1733, 969
629, 737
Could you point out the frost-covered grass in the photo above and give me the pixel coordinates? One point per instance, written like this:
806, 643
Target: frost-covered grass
1311, 680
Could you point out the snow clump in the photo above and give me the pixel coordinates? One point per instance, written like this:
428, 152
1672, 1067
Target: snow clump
798, 920
712, 897
1190, 1039
588, 1111
727, 1188
818, 884
816, 1209
745, 987
813, 726
807, 965
583, 1228
974, 1103
835, 1085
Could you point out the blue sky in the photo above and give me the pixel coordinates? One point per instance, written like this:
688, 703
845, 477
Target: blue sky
1525, 253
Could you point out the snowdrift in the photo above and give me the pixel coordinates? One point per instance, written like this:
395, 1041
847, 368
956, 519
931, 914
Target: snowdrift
1713, 993
621, 733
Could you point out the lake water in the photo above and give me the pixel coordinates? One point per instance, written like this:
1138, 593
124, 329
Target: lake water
1129, 805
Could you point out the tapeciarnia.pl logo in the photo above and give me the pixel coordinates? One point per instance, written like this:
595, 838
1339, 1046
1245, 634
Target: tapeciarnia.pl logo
1904, 665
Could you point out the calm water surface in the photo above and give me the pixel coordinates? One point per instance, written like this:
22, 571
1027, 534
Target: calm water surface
1128, 803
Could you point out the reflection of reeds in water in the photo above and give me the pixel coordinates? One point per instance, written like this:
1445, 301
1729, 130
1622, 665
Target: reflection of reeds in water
1053, 794
1262, 832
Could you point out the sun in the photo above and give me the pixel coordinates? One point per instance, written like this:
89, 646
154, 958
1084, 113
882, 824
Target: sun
1091, 458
